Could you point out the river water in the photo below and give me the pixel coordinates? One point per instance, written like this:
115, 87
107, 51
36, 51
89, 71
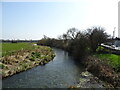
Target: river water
62, 72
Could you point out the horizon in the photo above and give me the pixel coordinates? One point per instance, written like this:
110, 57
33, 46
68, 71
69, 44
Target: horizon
32, 20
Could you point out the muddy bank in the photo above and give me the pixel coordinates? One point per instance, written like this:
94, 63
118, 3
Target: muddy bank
102, 70
25, 59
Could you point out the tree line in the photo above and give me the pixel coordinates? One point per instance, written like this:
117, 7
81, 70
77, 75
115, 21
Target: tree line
78, 43
18, 41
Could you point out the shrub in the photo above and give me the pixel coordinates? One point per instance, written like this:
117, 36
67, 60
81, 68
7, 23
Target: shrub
99, 49
2, 66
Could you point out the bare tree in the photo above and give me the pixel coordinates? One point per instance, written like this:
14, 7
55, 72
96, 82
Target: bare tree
97, 35
71, 33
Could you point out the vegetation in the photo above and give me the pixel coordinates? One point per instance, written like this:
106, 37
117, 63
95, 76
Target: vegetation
102, 70
113, 60
25, 56
78, 43
10, 48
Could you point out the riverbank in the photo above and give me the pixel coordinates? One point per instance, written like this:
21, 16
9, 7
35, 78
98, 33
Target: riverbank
88, 80
98, 74
102, 70
23, 60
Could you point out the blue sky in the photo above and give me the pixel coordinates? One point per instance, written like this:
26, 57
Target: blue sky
32, 20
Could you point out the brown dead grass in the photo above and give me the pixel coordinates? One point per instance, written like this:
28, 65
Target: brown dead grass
102, 70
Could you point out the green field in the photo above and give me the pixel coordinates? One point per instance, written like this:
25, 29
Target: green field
9, 48
113, 60
17, 57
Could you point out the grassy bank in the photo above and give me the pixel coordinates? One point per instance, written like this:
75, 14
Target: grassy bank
25, 56
101, 66
112, 59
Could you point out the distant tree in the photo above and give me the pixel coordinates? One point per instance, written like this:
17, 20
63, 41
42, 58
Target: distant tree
45, 37
13, 41
60, 37
71, 33
65, 37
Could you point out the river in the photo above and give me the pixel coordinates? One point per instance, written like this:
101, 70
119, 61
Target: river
62, 72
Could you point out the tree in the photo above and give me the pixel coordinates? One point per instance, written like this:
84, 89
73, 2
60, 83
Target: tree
96, 35
71, 33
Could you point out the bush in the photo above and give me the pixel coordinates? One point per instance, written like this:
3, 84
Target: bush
99, 49
2, 66
80, 48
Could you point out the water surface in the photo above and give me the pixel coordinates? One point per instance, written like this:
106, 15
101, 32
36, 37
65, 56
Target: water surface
62, 72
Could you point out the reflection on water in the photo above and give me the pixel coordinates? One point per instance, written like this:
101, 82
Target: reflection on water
59, 73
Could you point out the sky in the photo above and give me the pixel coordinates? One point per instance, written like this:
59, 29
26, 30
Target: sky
32, 20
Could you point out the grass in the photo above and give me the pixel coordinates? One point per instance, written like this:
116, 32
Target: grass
22, 56
9, 48
114, 60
